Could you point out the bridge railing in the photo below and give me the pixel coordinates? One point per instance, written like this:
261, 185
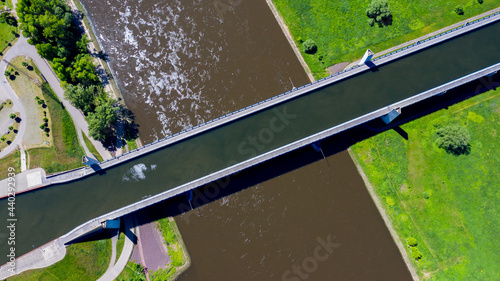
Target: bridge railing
322, 80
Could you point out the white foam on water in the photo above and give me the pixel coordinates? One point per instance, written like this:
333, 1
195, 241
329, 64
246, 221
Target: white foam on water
136, 173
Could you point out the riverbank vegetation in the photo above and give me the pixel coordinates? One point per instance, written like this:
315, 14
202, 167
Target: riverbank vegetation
52, 29
83, 261
342, 31
444, 206
176, 251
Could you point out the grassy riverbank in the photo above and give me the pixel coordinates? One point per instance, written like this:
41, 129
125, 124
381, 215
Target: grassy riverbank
342, 33
83, 261
449, 203
176, 251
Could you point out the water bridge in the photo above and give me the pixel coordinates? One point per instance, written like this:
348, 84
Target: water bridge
379, 88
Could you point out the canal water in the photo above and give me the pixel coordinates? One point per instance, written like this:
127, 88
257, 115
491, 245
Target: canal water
54, 211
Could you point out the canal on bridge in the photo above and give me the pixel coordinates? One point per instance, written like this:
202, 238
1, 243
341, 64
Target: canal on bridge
48, 213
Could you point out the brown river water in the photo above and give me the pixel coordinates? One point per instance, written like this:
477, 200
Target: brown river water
180, 63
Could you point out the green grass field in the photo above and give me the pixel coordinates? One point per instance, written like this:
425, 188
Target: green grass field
66, 153
342, 33
11, 160
132, 271
450, 204
83, 261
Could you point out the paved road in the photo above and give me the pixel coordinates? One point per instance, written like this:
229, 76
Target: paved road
115, 270
22, 48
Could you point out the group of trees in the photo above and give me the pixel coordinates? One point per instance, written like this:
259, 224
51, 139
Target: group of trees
7, 18
51, 27
379, 12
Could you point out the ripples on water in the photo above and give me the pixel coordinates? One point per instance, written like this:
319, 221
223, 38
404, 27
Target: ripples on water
179, 64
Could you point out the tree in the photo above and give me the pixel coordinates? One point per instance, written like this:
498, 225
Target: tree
379, 12
11, 128
85, 98
25, 64
454, 139
83, 70
102, 122
310, 47
459, 10
412, 242
12, 116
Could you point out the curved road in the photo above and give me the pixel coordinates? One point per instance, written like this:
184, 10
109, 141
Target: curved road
22, 48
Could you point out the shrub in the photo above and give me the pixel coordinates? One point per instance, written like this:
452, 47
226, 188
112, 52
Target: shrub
11, 128
416, 254
40, 101
459, 10
42, 126
12, 116
7, 73
454, 139
3, 138
25, 64
480, 1
412, 242
310, 47
45, 120
379, 12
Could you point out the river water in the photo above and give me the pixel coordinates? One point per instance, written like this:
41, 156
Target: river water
182, 63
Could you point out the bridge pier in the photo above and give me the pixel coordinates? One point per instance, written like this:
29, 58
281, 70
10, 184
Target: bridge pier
111, 224
391, 115
367, 57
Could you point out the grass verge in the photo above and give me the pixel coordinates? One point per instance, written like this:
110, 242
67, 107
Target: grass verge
92, 148
7, 139
133, 271
83, 261
342, 33
450, 204
176, 251
132, 144
119, 244
66, 153
12, 160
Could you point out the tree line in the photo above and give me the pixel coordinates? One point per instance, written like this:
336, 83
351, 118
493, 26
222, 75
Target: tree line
51, 27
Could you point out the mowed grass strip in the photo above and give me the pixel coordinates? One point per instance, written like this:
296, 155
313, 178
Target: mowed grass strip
66, 153
91, 147
83, 261
342, 33
449, 203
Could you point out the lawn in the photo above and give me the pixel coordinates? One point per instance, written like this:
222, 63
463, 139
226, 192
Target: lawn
26, 83
132, 271
7, 139
449, 203
83, 261
6, 35
11, 160
65, 153
342, 33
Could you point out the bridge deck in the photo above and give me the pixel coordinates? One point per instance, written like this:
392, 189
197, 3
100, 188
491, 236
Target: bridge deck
289, 99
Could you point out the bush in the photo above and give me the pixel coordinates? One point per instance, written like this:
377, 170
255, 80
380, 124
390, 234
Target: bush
25, 64
42, 126
7, 73
379, 12
310, 47
12, 116
459, 10
11, 128
416, 254
412, 242
3, 139
480, 1
454, 139
45, 120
